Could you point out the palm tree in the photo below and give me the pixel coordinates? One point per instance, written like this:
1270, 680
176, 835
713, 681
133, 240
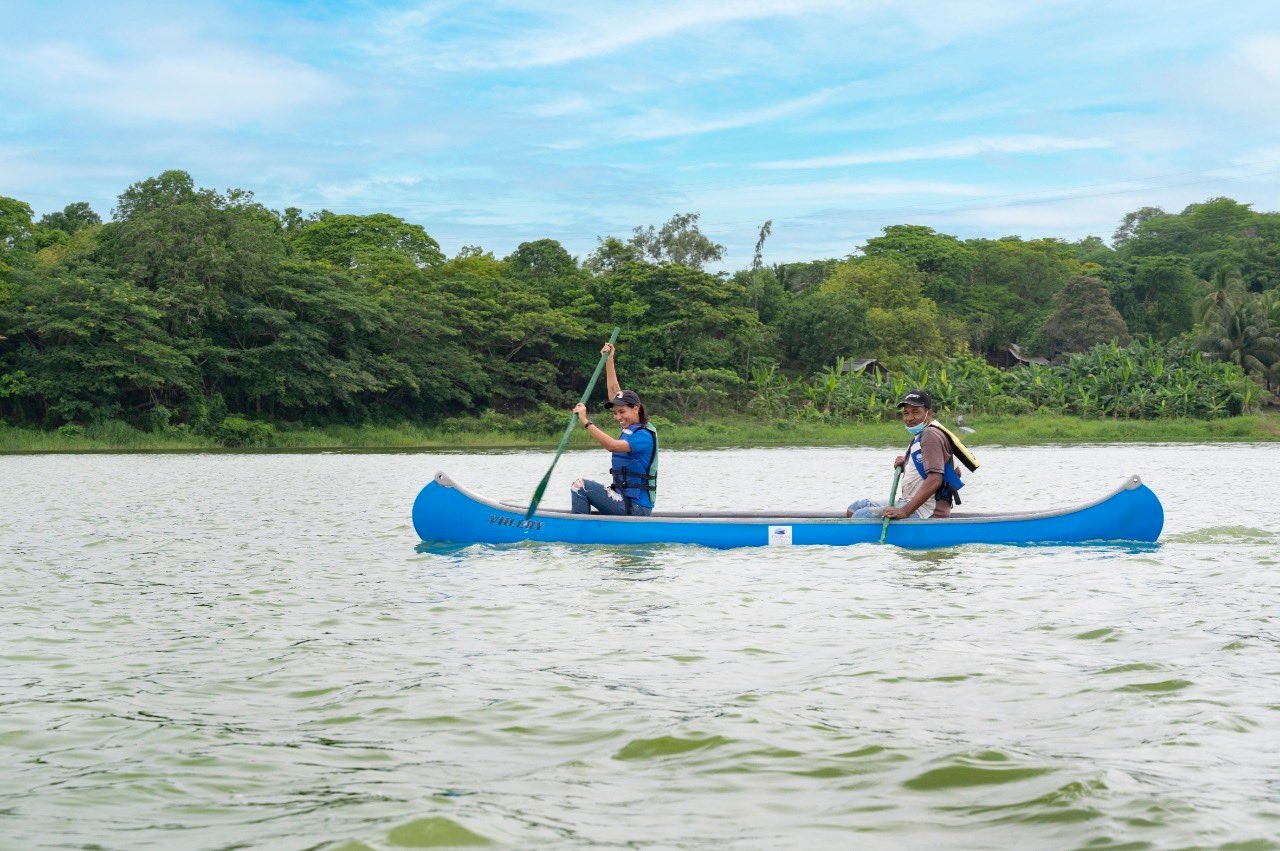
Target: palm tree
1227, 287
1245, 331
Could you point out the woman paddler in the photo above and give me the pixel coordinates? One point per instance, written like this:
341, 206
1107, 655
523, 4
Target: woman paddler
635, 453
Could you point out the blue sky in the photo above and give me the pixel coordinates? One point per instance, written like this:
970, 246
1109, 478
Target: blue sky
492, 123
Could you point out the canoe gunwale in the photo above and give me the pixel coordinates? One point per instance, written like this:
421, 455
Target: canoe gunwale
781, 518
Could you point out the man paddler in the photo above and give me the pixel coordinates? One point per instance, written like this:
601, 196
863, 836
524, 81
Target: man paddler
634, 454
930, 481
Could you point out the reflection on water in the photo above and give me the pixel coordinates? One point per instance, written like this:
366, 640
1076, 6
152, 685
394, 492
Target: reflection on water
639, 563
227, 650
441, 548
1225, 535
934, 558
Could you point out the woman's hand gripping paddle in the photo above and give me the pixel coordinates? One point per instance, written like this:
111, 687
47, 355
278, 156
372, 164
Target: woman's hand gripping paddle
568, 430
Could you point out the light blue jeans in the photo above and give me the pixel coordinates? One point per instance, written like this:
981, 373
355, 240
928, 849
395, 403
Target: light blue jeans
587, 494
864, 508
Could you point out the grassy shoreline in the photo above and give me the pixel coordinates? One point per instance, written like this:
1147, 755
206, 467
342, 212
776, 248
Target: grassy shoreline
1024, 430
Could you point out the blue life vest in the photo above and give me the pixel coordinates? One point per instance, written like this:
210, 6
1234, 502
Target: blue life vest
634, 473
951, 483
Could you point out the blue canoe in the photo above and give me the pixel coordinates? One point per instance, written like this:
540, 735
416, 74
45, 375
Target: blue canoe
445, 511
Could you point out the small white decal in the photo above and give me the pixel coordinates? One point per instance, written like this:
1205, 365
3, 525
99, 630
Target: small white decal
779, 536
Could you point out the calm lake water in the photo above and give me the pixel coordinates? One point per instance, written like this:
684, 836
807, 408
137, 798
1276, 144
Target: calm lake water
247, 651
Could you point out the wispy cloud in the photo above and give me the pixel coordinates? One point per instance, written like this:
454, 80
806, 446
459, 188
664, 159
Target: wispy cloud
570, 32
559, 107
961, 149
660, 124
1268, 155
1070, 215
1244, 79
849, 193
1260, 56
181, 81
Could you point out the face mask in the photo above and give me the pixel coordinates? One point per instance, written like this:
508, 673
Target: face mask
916, 429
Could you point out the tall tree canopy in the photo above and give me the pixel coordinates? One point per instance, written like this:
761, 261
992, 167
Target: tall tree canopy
679, 241
945, 262
1082, 317
196, 245
1211, 234
901, 319
15, 235
1014, 281
687, 318
84, 344
1156, 295
71, 219
378, 247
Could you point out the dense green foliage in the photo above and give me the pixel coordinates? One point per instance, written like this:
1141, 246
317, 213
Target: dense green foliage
204, 311
1140, 381
1083, 316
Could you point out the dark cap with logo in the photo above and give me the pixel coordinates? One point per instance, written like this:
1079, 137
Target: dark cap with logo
919, 398
624, 397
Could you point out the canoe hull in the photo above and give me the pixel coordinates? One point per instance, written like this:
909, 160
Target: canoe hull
445, 511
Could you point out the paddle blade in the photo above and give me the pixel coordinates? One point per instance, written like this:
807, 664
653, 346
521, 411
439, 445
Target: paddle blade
542, 485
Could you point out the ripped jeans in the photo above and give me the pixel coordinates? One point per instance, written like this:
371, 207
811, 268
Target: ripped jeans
863, 508
587, 494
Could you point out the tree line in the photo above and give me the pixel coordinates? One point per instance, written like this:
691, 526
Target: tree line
192, 306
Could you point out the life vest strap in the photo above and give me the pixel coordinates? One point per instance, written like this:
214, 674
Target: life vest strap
624, 478
958, 449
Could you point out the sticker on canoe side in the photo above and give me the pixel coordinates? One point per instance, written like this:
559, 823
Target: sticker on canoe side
779, 536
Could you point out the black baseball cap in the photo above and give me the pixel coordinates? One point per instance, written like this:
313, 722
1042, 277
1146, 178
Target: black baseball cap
919, 398
624, 397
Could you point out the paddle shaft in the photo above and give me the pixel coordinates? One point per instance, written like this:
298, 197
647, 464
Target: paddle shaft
568, 430
893, 495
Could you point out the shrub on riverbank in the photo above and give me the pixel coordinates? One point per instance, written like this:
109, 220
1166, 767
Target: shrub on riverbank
1144, 380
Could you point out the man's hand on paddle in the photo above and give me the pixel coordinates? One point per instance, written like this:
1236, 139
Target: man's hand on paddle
607, 349
899, 461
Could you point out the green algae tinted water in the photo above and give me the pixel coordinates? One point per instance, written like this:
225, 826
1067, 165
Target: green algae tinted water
249, 651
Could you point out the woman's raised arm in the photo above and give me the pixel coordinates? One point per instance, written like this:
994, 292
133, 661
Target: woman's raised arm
610, 371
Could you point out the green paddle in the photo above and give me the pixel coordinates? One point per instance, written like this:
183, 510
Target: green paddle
893, 495
568, 430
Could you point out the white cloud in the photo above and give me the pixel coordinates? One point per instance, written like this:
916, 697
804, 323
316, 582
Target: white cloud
962, 149
1078, 212
590, 30
935, 22
792, 196
569, 105
178, 81
364, 189
1244, 80
1269, 155
657, 124
1260, 54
